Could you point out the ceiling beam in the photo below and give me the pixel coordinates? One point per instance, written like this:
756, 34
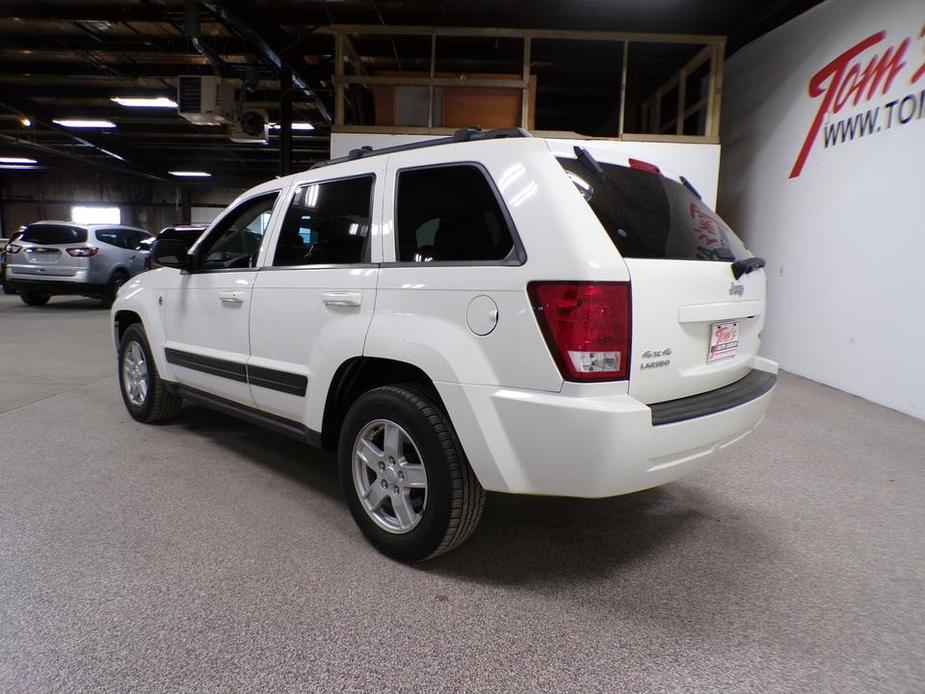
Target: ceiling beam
73, 11
126, 70
272, 43
114, 150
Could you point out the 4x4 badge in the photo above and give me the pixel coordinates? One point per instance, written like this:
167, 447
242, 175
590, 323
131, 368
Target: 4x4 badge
736, 289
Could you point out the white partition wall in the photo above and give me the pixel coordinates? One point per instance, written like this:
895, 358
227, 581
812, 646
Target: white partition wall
823, 173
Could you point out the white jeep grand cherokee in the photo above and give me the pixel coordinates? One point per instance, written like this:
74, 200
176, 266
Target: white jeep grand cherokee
488, 311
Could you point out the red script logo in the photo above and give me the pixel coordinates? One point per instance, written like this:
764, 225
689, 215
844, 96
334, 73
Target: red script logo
851, 78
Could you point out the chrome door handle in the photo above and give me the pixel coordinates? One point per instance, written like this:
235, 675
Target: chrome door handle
231, 297
342, 298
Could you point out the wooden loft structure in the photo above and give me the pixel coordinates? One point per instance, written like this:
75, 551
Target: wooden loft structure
683, 106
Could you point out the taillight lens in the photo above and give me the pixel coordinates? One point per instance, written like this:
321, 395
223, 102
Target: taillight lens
587, 326
85, 252
12, 248
147, 263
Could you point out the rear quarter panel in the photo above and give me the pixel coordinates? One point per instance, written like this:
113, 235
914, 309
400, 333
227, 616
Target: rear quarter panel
421, 310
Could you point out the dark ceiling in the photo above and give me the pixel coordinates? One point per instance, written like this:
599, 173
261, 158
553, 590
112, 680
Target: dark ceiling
67, 59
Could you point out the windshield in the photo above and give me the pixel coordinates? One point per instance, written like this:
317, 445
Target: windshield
649, 216
53, 234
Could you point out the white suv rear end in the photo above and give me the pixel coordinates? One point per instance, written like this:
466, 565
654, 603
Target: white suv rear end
487, 312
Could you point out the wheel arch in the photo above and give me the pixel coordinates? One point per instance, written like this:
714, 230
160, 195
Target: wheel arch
121, 320
141, 309
359, 374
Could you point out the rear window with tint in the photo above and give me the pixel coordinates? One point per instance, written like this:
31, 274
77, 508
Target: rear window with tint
188, 236
54, 234
649, 216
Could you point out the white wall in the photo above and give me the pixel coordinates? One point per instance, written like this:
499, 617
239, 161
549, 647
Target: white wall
698, 163
844, 235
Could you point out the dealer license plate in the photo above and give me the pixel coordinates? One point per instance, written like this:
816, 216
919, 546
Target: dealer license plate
724, 341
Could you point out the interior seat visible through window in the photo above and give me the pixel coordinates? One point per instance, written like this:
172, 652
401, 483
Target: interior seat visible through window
327, 224
450, 213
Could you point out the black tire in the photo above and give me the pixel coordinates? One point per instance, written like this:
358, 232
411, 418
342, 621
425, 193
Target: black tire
8, 290
160, 402
32, 299
119, 277
455, 499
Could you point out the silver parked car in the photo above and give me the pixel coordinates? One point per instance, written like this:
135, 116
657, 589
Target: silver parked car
54, 257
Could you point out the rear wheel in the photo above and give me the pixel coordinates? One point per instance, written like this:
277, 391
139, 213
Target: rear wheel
405, 476
119, 278
147, 398
32, 299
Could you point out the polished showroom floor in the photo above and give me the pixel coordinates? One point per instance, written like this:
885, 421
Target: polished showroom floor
208, 555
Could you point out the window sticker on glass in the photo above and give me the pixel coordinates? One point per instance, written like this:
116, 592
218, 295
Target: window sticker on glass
724, 341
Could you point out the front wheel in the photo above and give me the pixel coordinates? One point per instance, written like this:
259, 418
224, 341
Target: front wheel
147, 398
405, 476
30, 298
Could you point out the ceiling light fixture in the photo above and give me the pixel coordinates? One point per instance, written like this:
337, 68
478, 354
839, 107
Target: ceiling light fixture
301, 125
17, 160
155, 102
190, 174
84, 123
18, 167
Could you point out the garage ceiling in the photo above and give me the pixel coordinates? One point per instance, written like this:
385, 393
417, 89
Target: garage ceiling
68, 60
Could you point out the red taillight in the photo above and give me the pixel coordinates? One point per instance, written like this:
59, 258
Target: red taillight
644, 166
147, 263
85, 252
12, 248
587, 327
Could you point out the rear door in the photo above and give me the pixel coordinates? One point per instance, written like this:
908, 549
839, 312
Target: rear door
695, 326
136, 252
313, 300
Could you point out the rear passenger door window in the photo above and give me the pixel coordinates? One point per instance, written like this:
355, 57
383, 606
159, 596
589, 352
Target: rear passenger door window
451, 213
327, 223
111, 237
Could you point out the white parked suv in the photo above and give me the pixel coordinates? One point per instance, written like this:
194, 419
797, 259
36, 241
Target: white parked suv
488, 311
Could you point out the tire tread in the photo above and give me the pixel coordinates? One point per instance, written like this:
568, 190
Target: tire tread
467, 496
166, 402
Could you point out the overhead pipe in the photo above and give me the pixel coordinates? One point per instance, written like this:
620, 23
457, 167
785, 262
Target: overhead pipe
244, 25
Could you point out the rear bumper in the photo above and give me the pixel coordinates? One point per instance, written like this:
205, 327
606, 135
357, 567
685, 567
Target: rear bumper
55, 286
532, 442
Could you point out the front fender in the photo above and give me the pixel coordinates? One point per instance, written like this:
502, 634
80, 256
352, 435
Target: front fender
143, 296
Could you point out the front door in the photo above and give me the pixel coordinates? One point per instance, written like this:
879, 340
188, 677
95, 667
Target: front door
207, 310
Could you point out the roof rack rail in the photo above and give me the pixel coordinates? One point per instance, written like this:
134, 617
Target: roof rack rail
461, 135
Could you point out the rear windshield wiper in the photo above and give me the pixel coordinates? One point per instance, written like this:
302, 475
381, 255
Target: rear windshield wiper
590, 163
747, 265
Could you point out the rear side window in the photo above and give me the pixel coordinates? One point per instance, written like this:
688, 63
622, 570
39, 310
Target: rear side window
53, 234
649, 216
112, 237
450, 213
326, 224
134, 237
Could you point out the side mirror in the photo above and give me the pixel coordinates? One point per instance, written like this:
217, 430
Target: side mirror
172, 253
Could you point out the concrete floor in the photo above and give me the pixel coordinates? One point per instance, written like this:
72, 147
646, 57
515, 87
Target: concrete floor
207, 555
